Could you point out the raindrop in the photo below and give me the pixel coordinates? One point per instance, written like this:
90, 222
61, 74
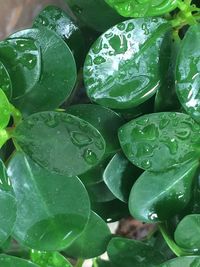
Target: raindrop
90, 157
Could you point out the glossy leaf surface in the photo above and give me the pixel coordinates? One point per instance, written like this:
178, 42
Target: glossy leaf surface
93, 240
60, 142
5, 184
160, 141
58, 72
89, 13
187, 232
49, 216
99, 192
5, 81
105, 120
126, 252
49, 259
5, 110
120, 176
22, 58
98, 262
121, 69
190, 261
10, 261
159, 196
143, 8
188, 72
60, 22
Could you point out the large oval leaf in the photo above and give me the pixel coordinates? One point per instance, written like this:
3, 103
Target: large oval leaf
143, 8
160, 141
55, 19
188, 72
60, 142
5, 110
187, 232
58, 72
89, 13
104, 119
23, 61
93, 240
120, 176
49, 259
159, 196
52, 209
121, 69
190, 261
10, 261
5, 81
126, 252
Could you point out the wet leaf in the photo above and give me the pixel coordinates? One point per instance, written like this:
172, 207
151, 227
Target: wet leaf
52, 209
127, 252
60, 142
10, 261
120, 176
93, 240
159, 196
58, 72
104, 119
160, 141
188, 72
5, 110
125, 60
5, 81
188, 261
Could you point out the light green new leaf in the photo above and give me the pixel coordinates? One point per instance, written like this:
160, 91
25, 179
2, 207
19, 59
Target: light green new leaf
10, 261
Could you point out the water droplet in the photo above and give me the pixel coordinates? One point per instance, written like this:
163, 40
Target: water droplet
130, 27
99, 60
80, 139
163, 123
153, 216
121, 26
146, 164
90, 157
182, 133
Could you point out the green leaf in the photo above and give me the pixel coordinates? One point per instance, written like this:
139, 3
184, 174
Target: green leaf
22, 57
5, 183
159, 196
104, 119
52, 209
60, 142
188, 72
5, 110
111, 211
93, 240
125, 60
5, 81
190, 261
89, 13
58, 74
10, 261
160, 141
143, 8
187, 232
120, 176
99, 192
7, 216
60, 22
49, 259
127, 252
101, 263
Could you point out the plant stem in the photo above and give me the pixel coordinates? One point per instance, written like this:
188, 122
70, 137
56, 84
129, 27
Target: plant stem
79, 263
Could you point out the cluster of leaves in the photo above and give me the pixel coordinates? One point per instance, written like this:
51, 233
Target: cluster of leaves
99, 120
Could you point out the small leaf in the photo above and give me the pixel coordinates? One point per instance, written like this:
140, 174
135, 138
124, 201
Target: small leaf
49, 259
159, 196
143, 8
5, 183
125, 60
22, 58
60, 142
99, 192
58, 74
160, 141
52, 209
57, 20
188, 261
5, 81
188, 72
10, 261
120, 176
104, 119
5, 110
93, 240
127, 252
187, 232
